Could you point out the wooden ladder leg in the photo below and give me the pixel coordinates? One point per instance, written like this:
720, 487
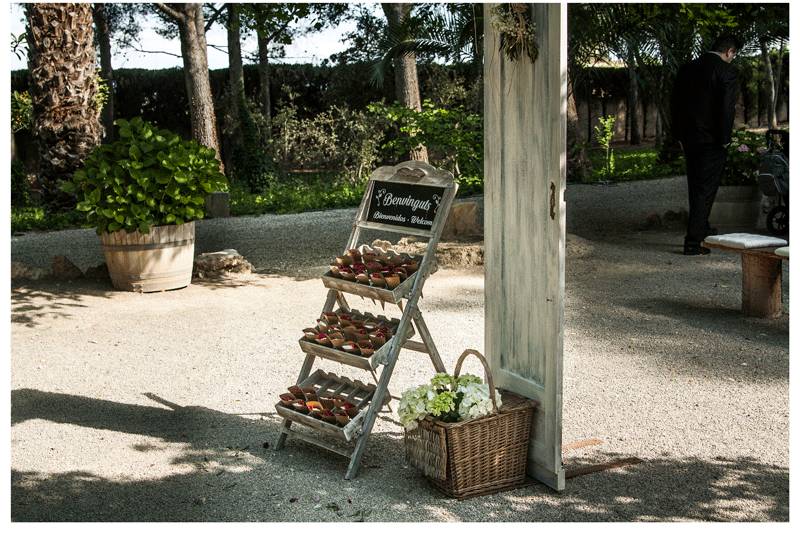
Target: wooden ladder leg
425, 334
380, 391
388, 392
333, 297
284, 434
343, 305
366, 429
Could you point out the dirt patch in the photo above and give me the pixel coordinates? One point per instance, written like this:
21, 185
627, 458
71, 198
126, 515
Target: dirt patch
465, 254
448, 254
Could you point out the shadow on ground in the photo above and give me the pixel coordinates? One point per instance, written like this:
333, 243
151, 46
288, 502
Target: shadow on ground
32, 302
237, 479
684, 313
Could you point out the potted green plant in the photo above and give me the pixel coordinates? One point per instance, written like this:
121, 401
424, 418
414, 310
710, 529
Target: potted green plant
143, 194
738, 199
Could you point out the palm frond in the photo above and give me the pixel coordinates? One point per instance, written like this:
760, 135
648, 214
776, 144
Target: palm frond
445, 31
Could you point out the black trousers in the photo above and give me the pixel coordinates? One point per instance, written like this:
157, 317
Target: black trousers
704, 164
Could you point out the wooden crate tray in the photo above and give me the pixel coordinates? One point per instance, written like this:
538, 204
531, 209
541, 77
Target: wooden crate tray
329, 384
376, 293
340, 356
368, 291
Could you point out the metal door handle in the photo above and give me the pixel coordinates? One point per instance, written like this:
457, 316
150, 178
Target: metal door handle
552, 201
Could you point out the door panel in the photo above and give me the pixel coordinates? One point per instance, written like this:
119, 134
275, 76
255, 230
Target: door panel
525, 175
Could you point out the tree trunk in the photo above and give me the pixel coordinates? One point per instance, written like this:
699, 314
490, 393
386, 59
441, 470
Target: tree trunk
191, 26
779, 79
106, 70
633, 95
759, 105
659, 139
589, 116
770, 79
746, 106
263, 79
577, 160
61, 65
198, 86
405, 72
235, 70
573, 117
645, 110
232, 130
668, 147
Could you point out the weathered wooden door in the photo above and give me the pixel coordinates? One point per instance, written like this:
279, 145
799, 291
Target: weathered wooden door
525, 110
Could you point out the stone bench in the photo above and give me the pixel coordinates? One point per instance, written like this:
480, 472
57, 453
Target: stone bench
761, 279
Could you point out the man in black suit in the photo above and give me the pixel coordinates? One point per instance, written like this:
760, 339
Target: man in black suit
703, 107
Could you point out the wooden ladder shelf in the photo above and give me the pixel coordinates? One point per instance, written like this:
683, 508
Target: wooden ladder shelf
412, 198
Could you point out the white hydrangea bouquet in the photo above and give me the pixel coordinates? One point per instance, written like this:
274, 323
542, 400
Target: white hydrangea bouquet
456, 438
447, 398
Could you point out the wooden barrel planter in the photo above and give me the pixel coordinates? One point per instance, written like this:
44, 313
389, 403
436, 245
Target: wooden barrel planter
147, 262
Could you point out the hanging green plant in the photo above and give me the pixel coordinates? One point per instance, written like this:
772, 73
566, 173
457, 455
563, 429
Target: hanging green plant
514, 24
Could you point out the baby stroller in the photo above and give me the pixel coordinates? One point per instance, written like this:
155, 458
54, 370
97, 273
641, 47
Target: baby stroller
773, 179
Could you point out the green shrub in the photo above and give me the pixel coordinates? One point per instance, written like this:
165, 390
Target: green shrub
296, 196
21, 111
450, 89
149, 177
20, 189
253, 164
38, 218
453, 136
470, 185
339, 139
103, 92
603, 134
744, 155
632, 164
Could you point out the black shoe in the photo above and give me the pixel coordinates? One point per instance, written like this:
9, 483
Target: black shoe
695, 250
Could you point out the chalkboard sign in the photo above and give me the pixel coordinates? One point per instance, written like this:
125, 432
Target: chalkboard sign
404, 204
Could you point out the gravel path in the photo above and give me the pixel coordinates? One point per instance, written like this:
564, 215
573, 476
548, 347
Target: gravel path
302, 244
131, 407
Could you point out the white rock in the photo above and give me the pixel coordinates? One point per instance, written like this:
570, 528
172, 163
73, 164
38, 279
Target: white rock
217, 263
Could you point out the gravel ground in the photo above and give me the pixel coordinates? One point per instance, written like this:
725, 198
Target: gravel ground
158, 407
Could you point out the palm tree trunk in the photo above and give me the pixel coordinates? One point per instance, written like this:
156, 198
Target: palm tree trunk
106, 70
61, 65
405, 72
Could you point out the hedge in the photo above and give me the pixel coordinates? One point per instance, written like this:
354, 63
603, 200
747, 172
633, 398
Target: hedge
160, 95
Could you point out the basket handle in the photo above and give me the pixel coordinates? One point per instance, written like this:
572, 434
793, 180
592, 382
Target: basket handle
486, 370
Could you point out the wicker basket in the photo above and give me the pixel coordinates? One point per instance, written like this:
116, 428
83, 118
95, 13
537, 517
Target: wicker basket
475, 457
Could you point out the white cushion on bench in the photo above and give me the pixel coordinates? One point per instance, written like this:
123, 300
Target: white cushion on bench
746, 240
783, 252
